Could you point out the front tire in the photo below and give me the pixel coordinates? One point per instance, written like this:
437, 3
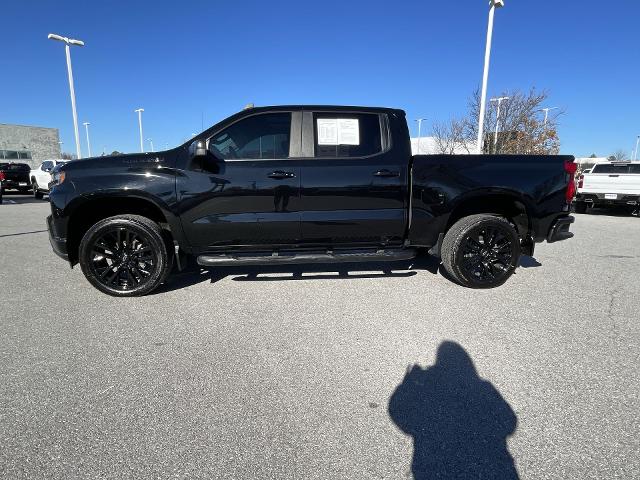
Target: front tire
481, 251
36, 191
125, 256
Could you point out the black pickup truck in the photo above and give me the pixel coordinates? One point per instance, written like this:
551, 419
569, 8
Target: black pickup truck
305, 184
16, 176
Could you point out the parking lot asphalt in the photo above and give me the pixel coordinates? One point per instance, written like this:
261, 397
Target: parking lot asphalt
300, 373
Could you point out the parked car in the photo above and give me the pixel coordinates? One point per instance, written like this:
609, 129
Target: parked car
16, 176
39, 178
305, 184
609, 184
1, 185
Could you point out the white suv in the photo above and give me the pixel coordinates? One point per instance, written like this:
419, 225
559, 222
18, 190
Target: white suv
41, 177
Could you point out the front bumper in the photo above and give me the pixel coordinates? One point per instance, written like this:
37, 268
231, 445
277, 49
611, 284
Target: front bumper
59, 244
560, 229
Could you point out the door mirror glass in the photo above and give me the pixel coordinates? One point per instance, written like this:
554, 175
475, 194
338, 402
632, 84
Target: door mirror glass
197, 149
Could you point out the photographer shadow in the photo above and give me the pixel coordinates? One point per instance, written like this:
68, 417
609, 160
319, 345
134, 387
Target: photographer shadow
458, 421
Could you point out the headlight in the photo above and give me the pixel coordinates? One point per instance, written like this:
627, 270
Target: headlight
58, 178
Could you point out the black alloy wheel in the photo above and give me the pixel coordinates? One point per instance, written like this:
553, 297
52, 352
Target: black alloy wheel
481, 251
124, 255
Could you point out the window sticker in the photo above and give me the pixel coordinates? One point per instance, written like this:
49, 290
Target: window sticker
348, 131
327, 131
338, 131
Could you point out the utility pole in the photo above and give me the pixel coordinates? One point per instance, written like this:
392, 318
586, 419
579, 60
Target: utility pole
546, 114
493, 4
419, 121
86, 127
139, 111
67, 42
495, 135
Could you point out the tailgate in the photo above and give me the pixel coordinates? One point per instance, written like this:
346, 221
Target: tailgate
626, 183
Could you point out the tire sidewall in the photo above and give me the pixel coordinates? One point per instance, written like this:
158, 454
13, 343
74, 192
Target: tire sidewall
155, 240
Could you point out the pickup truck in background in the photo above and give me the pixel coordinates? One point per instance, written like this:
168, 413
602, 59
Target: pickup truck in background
609, 184
16, 176
40, 177
305, 184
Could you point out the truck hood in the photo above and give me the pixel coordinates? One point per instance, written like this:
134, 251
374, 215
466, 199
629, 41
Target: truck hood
124, 161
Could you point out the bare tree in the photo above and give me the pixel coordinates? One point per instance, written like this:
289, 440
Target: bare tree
522, 128
617, 156
450, 137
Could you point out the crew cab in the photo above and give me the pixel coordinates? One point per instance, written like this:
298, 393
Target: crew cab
40, 177
609, 184
305, 184
16, 176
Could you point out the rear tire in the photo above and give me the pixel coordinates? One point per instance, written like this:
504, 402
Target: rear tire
125, 256
481, 251
36, 192
580, 207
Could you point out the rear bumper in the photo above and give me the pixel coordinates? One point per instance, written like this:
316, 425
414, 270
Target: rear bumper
15, 184
599, 199
59, 244
560, 229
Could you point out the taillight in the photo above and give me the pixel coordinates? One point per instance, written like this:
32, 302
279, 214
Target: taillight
1, 176
570, 168
580, 181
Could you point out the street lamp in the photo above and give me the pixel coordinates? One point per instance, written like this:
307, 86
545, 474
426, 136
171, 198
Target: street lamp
68, 42
493, 4
139, 111
546, 114
635, 153
86, 127
419, 120
495, 136
150, 140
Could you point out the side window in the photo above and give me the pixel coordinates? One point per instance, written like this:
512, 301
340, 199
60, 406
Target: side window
346, 134
47, 165
263, 136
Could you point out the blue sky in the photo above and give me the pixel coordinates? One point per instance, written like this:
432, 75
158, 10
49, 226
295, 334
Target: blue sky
185, 61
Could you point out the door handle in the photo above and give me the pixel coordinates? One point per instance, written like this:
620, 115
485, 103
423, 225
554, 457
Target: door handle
279, 175
386, 173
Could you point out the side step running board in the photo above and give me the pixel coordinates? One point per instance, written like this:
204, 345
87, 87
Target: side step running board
293, 258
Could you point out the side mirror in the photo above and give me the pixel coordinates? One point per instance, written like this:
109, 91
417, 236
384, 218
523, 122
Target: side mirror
47, 169
198, 149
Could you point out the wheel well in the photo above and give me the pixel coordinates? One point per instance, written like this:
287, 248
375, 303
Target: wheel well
91, 212
506, 206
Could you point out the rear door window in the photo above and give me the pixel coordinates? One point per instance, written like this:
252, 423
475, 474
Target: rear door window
341, 135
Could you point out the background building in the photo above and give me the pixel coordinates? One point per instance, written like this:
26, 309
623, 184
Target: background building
26, 144
429, 146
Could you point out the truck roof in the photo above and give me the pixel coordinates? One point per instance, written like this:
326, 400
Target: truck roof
341, 108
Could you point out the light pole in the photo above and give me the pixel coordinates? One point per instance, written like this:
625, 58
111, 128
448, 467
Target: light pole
635, 152
86, 127
150, 140
546, 114
419, 121
495, 135
493, 4
68, 42
139, 111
